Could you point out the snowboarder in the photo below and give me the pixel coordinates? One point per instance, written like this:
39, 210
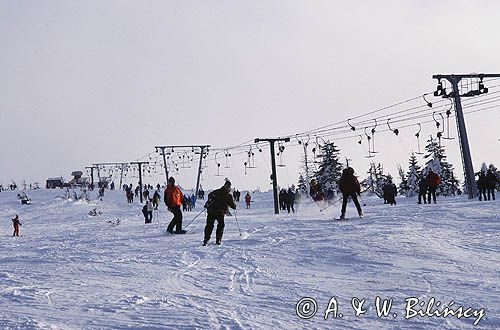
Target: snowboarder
315, 191
422, 189
248, 199
433, 181
491, 183
217, 205
173, 200
16, 223
349, 186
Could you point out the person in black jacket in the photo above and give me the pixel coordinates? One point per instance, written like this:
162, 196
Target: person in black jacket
217, 205
349, 187
491, 183
482, 185
422, 189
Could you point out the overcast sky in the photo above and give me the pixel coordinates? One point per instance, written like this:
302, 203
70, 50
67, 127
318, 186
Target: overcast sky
105, 81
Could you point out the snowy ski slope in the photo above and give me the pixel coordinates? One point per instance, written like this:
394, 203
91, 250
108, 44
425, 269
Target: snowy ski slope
69, 270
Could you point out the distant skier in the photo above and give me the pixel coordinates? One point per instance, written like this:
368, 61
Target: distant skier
422, 189
433, 181
315, 191
349, 186
173, 200
147, 210
482, 185
156, 199
248, 199
217, 205
290, 200
491, 183
16, 223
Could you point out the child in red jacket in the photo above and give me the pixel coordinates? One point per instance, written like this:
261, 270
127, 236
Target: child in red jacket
16, 224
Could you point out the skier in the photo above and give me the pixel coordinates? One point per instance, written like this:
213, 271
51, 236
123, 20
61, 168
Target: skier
315, 191
491, 183
422, 189
217, 205
173, 201
290, 199
248, 199
482, 185
349, 186
156, 199
149, 211
16, 223
433, 181
193, 201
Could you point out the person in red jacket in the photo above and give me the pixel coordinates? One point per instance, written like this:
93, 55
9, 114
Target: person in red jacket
349, 186
16, 224
248, 199
433, 181
173, 200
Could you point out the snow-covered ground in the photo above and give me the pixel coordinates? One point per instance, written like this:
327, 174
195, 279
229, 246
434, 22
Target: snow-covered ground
69, 270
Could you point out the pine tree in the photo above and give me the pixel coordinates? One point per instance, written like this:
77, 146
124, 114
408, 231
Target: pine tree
403, 185
412, 177
376, 179
329, 170
303, 185
437, 162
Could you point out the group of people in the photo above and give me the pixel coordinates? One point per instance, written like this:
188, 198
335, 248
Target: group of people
428, 185
389, 192
217, 206
349, 187
487, 182
287, 199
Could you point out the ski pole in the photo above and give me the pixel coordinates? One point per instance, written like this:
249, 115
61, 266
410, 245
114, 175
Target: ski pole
195, 218
236, 218
332, 203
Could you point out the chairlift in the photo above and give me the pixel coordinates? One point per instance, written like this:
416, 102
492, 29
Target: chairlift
448, 113
395, 131
281, 148
368, 137
373, 137
418, 139
352, 127
438, 124
429, 104
245, 163
251, 158
218, 165
227, 154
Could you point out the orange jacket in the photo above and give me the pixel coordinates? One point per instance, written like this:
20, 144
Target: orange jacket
433, 180
173, 196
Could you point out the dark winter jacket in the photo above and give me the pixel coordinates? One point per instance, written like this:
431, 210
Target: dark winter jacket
219, 200
348, 183
422, 184
491, 180
433, 180
482, 182
316, 193
390, 189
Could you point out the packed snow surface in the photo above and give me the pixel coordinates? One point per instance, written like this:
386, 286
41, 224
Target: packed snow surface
70, 270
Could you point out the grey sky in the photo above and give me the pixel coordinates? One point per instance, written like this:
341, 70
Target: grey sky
100, 81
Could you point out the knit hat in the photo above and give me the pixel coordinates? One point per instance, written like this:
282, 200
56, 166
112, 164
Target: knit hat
227, 183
